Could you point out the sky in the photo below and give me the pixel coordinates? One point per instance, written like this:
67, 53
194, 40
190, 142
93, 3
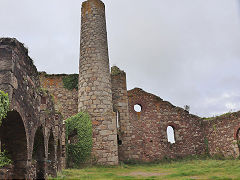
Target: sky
184, 51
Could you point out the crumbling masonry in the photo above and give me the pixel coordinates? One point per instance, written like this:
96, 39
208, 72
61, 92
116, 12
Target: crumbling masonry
33, 132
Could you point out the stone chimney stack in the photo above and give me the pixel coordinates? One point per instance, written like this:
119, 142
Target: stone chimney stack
95, 94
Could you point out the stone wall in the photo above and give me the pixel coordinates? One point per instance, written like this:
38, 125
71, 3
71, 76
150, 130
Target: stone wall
120, 107
65, 101
149, 141
33, 132
19, 78
222, 135
6, 172
53, 127
95, 93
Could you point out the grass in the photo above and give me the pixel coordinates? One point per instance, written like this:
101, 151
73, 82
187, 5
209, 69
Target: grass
182, 170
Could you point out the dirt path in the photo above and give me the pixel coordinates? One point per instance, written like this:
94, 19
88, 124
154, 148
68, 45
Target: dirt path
146, 174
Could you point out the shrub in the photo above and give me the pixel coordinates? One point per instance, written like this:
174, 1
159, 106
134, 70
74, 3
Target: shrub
4, 105
79, 139
4, 160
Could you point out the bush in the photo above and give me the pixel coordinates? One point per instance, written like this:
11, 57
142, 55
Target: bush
79, 139
4, 160
4, 105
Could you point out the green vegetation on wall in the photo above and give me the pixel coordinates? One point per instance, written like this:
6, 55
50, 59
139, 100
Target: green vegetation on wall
206, 146
4, 108
4, 160
79, 139
4, 105
115, 70
219, 116
70, 82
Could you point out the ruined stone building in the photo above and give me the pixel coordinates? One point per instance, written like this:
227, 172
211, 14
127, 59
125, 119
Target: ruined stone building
33, 132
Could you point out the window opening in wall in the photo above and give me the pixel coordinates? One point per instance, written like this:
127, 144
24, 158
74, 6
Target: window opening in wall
119, 141
137, 108
170, 134
238, 138
118, 118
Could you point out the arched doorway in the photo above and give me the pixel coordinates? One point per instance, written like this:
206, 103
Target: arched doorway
59, 156
39, 153
51, 156
14, 141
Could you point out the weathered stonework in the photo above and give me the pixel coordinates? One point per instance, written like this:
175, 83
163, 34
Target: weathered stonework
120, 106
65, 101
31, 109
149, 129
222, 135
95, 93
39, 103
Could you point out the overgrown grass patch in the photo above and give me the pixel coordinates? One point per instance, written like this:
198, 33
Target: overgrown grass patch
182, 170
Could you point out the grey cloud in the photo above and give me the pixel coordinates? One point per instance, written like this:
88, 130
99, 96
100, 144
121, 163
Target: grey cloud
186, 52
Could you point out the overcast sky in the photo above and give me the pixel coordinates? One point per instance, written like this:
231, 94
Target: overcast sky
185, 51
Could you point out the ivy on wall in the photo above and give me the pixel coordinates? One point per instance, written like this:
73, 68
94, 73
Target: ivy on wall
70, 82
79, 139
4, 108
4, 105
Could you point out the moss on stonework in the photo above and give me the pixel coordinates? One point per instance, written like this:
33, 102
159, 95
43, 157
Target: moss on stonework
115, 71
219, 116
42, 91
51, 75
70, 82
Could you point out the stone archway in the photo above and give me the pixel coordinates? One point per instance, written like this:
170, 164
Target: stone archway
59, 156
14, 141
52, 169
39, 153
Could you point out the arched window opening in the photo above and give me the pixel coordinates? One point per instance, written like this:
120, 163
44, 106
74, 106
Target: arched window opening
51, 156
137, 108
171, 134
118, 120
39, 153
59, 156
14, 141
